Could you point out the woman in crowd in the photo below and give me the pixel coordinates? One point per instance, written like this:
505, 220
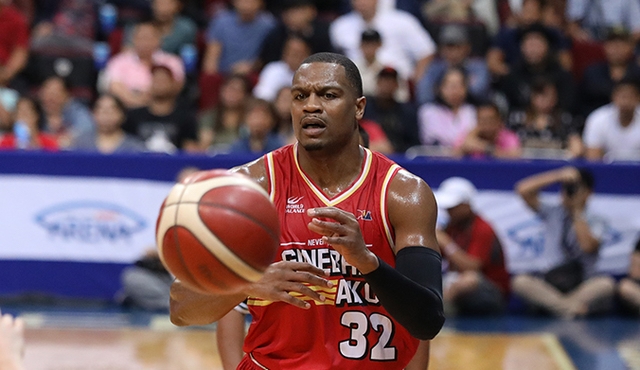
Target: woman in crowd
27, 126
261, 119
109, 114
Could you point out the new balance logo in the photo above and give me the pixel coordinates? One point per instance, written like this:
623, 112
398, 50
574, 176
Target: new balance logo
294, 200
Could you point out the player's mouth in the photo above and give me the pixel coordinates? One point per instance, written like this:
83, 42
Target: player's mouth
312, 126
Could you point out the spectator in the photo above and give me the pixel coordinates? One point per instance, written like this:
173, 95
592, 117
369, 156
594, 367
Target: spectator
283, 107
544, 125
64, 117
374, 137
629, 287
538, 61
8, 100
450, 116
145, 285
614, 130
28, 114
370, 66
219, 127
489, 138
109, 114
572, 288
14, 42
446, 11
164, 125
477, 281
406, 45
235, 38
175, 30
398, 120
455, 50
598, 79
505, 53
279, 74
298, 17
128, 74
261, 119
590, 19
65, 25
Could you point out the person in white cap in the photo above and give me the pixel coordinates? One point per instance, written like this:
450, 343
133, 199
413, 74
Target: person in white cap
477, 282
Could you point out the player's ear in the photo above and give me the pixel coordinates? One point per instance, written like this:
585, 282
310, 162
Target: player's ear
361, 102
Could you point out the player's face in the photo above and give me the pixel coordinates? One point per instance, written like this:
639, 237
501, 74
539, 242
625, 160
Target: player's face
325, 108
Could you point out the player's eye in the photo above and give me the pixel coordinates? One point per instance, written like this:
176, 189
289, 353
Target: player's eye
330, 96
298, 96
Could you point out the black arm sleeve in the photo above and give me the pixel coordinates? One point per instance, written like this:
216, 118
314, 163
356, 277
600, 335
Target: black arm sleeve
412, 292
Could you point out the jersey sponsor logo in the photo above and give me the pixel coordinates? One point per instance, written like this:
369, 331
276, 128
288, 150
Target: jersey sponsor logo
364, 215
294, 205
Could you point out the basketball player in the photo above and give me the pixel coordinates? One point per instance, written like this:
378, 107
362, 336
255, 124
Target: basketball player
333, 299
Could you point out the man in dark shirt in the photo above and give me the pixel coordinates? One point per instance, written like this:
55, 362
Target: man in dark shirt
164, 125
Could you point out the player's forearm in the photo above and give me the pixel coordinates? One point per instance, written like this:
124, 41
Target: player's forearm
191, 308
412, 292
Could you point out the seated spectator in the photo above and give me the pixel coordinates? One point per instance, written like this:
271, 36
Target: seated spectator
283, 108
235, 38
572, 288
590, 19
65, 25
109, 114
376, 139
450, 116
261, 119
446, 11
629, 287
370, 66
219, 127
489, 138
14, 42
505, 53
614, 130
477, 281
64, 117
398, 120
598, 79
538, 61
455, 50
405, 43
544, 125
8, 100
299, 17
175, 30
146, 284
28, 117
128, 74
279, 74
164, 125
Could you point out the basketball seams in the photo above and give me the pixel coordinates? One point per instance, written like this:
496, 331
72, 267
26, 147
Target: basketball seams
194, 192
245, 215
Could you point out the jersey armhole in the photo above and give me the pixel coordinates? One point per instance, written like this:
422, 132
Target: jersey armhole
391, 173
268, 162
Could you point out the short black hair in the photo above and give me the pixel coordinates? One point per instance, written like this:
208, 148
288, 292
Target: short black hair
350, 69
492, 105
586, 178
627, 81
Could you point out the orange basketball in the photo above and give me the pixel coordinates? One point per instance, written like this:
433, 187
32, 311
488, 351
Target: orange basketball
217, 231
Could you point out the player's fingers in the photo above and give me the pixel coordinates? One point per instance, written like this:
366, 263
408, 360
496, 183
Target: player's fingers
303, 266
19, 325
333, 213
304, 290
327, 228
288, 298
306, 277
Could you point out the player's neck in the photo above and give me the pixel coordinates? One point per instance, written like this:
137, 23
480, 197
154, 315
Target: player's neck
332, 172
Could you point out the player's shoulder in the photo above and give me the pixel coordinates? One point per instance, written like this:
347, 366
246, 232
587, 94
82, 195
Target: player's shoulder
256, 170
406, 186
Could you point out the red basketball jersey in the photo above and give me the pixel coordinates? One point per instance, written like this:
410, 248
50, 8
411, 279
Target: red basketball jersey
351, 329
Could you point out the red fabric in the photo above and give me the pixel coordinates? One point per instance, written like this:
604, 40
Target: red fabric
45, 142
373, 129
14, 32
350, 329
479, 240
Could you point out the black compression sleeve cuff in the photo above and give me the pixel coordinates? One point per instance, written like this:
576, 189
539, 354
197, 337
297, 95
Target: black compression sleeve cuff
412, 292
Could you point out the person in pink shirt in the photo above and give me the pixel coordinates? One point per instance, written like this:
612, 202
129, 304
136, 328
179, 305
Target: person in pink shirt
489, 138
128, 74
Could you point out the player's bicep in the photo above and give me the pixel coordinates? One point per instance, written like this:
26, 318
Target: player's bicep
412, 212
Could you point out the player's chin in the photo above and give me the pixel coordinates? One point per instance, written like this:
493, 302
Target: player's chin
312, 145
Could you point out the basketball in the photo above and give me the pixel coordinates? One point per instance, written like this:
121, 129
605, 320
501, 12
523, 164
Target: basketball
217, 231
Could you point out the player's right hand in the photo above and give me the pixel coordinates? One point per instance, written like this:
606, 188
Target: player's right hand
283, 277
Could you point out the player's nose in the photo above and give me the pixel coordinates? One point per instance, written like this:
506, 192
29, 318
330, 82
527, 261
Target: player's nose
312, 104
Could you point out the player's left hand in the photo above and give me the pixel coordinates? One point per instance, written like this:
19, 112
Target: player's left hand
344, 235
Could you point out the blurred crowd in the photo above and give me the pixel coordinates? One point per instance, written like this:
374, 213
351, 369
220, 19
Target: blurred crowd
470, 78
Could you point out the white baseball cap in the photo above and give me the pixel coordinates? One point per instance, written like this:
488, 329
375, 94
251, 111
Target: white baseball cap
454, 191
